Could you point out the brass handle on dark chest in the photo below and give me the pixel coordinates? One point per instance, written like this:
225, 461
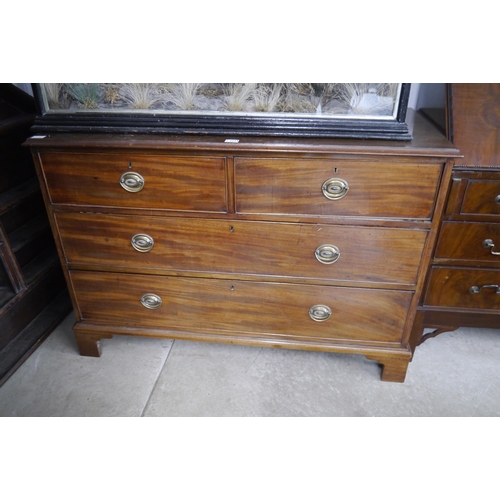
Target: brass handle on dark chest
320, 312
489, 244
142, 242
334, 188
497, 199
132, 182
477, 289
151, 301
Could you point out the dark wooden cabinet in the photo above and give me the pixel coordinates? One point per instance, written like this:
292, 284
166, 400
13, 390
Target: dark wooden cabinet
33, 294
318, 244
463, 284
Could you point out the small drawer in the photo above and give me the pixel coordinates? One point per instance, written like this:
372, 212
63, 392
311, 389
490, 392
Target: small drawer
308, 251
136, 181
464, 288
229, 306
476, 241
482, 197
314, 187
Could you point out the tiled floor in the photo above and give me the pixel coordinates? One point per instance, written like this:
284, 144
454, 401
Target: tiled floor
455, 374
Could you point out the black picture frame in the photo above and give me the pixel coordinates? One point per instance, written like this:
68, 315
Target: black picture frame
226, 124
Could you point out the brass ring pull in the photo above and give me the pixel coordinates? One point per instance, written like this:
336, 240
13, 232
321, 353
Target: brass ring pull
142, 242
320, 312
334, 188
132, 182
489, 244
477, 289
151, 301
497, 199
327, 254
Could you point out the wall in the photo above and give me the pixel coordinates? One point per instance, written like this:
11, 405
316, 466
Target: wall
431, 95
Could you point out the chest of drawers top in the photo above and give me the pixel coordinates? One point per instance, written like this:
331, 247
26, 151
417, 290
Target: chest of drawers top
425, 142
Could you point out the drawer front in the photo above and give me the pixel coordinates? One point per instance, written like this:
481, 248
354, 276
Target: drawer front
169, 183
469, 241
464, 287
295, 186
228, 306
321, 252
482, 197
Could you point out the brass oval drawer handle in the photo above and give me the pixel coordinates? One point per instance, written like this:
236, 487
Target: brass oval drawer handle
142, 242
327, 254
477, 289
151, 301
334, 188
320, 312
489, 244
132, 182
497, 199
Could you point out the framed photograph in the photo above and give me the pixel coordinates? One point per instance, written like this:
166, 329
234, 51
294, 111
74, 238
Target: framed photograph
352, 110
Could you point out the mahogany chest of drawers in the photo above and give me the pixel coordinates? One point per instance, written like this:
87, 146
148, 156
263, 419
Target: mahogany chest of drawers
296, 243
463, 285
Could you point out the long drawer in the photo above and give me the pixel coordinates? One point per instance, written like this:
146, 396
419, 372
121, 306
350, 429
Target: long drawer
469, 241
136, 181
334, 187
464, 287
228, 306
313, 251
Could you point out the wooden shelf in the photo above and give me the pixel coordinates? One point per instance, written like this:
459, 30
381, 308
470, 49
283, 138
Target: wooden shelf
41, 264
33, 294
18, 194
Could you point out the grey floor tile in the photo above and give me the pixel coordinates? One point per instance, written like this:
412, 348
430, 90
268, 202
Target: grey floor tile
226, 380
57, 381
456, 374
459, 372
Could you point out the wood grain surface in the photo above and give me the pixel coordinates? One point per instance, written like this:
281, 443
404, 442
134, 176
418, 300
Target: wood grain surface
225, 306
450, 287
170, 183
367, 254
376, 189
